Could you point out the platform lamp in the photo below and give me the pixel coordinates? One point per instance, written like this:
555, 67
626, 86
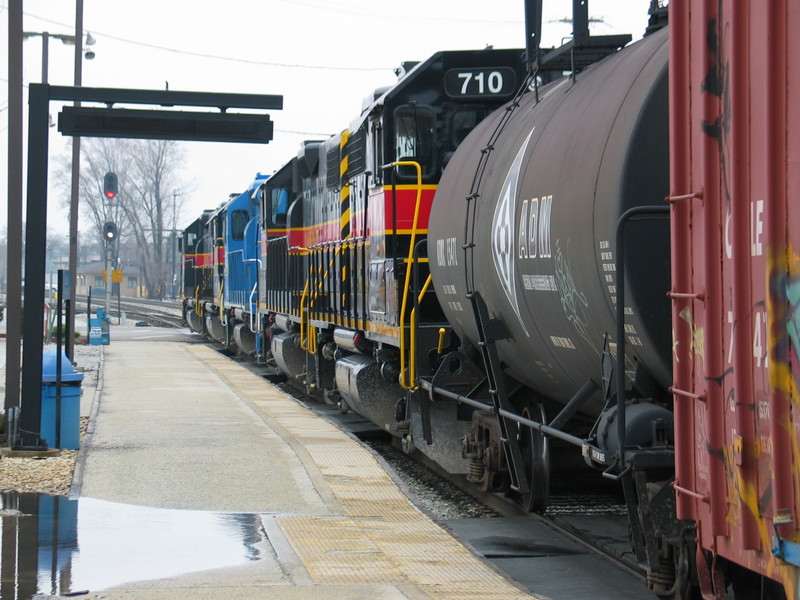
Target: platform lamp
65, 39
80, 54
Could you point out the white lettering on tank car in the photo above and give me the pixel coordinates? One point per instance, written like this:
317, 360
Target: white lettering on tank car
533, 236
446, 252
452, 255
545, 210
607, 260
562, 342
523, 229
539, 283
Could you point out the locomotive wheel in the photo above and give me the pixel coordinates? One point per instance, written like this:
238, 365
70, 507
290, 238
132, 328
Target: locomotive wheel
535, 449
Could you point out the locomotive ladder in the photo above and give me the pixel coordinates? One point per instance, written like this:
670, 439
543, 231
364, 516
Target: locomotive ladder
490, 330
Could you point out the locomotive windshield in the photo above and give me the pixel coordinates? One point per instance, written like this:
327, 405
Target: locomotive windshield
413, 138
239, 220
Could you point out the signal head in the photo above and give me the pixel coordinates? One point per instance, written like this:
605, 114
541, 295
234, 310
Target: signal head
110, 232
110, 185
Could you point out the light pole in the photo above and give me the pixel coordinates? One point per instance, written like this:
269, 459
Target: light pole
15, 164
174, 245
74, 40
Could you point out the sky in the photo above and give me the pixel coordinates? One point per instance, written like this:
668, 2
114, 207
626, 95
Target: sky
322, 57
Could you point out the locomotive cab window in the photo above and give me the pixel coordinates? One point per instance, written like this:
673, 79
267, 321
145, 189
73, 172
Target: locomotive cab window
376, 152
188, 241
463, 122
279, 205
414, 128
239, 220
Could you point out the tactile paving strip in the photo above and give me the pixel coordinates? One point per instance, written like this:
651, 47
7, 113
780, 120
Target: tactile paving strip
382, 538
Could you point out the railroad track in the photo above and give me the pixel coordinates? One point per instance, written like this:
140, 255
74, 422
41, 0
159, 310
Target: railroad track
154, 312
583, 508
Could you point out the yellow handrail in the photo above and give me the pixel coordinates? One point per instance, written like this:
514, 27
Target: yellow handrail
407, 384
412, 361
221, 301
303, 319
440, 345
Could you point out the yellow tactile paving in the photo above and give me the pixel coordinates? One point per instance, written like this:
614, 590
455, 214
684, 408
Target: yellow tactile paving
382, 538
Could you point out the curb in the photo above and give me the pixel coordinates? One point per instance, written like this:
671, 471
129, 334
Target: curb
80, 462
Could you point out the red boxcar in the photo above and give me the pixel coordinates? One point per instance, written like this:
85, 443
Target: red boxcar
735, 149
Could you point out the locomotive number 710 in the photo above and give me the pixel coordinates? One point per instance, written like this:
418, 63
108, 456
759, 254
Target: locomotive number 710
474, 83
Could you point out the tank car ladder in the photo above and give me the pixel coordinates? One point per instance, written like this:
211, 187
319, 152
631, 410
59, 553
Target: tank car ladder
489, 331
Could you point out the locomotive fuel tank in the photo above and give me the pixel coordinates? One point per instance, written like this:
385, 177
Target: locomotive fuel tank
538, 242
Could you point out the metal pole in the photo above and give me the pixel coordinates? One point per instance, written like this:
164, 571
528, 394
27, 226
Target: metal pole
75, 188
58, 358
108, 276
174, 243
35, 235
14, 272
45, 54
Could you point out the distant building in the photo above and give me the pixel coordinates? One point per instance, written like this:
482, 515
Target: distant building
90, 275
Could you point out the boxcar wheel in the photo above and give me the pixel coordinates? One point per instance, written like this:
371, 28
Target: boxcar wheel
748, 585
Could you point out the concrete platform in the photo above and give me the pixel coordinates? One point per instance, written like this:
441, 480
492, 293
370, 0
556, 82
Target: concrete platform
179, 426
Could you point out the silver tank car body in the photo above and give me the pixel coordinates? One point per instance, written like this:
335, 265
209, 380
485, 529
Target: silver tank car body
540, 237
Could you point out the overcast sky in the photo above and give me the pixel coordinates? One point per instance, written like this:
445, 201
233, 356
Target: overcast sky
323, 57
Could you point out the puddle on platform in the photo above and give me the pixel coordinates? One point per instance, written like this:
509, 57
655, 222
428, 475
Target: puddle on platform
54, 545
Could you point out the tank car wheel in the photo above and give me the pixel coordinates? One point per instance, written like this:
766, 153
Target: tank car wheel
407, 443
493, 480
535, 449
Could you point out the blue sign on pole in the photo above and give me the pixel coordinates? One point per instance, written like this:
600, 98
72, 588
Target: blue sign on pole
66, 282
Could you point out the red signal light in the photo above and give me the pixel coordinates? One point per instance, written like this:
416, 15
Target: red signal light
110, 185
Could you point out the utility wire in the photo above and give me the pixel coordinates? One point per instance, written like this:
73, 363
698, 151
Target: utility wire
98, 34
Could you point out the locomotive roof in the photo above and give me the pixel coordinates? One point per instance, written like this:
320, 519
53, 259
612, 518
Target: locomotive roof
438, 63
259, 179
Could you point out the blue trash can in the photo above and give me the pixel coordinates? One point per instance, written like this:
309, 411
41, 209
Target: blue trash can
69, 412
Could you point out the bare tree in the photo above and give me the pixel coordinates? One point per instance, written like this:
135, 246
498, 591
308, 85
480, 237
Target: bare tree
149, 180
150, 186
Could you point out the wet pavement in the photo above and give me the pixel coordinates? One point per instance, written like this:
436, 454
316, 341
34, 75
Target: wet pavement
54, 545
